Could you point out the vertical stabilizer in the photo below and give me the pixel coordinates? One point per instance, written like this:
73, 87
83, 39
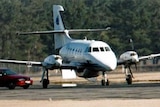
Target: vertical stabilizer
60, 38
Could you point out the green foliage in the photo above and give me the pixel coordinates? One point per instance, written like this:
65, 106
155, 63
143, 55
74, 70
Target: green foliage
138, 20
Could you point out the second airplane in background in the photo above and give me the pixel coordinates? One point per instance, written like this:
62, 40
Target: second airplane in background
131, 58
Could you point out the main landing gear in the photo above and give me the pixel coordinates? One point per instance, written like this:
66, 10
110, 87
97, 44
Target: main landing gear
45, 81
104, 81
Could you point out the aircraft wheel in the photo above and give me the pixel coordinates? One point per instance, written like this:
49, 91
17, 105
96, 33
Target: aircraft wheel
45, 83
129, 79
105, 83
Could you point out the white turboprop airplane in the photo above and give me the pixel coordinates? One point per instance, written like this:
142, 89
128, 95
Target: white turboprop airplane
85, 58
129, 58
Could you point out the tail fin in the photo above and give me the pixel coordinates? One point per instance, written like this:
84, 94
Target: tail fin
60, 38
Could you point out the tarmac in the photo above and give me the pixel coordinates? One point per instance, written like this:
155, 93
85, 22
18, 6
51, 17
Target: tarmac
144, 92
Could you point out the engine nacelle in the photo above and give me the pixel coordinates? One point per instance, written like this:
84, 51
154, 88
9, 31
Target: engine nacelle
86, 73
129, 56
52, 62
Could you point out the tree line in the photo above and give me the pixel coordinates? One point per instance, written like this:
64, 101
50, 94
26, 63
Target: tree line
137, 20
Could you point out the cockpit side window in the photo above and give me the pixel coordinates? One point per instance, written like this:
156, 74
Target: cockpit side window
107, 49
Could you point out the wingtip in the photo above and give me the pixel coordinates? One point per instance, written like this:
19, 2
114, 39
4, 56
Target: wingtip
108, 28
17, 33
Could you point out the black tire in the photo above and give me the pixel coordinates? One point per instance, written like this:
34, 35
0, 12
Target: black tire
129, 79
103, 82
107, 82
26, 87
11, 85
45, 83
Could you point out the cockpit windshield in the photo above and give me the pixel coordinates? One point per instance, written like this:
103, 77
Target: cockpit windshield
102, 49
98, 49
95, 49
133, 54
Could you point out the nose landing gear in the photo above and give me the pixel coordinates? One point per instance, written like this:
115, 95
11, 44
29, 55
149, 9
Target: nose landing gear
129, 75
104, 81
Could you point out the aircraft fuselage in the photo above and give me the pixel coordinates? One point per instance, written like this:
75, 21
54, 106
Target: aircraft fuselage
91, 52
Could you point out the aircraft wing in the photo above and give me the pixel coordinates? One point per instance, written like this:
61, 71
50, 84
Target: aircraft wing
35, 63
28, 63
49, 65
148, 56
123, 62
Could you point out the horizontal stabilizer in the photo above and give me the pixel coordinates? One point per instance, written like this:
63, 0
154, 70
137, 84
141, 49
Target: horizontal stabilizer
87, 30
63, 31
41, 32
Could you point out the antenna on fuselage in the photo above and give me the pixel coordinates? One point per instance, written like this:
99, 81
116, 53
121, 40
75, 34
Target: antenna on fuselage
85, 38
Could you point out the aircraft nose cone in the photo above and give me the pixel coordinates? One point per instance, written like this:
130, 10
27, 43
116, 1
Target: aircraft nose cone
110, 61
135, 58
107, 60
